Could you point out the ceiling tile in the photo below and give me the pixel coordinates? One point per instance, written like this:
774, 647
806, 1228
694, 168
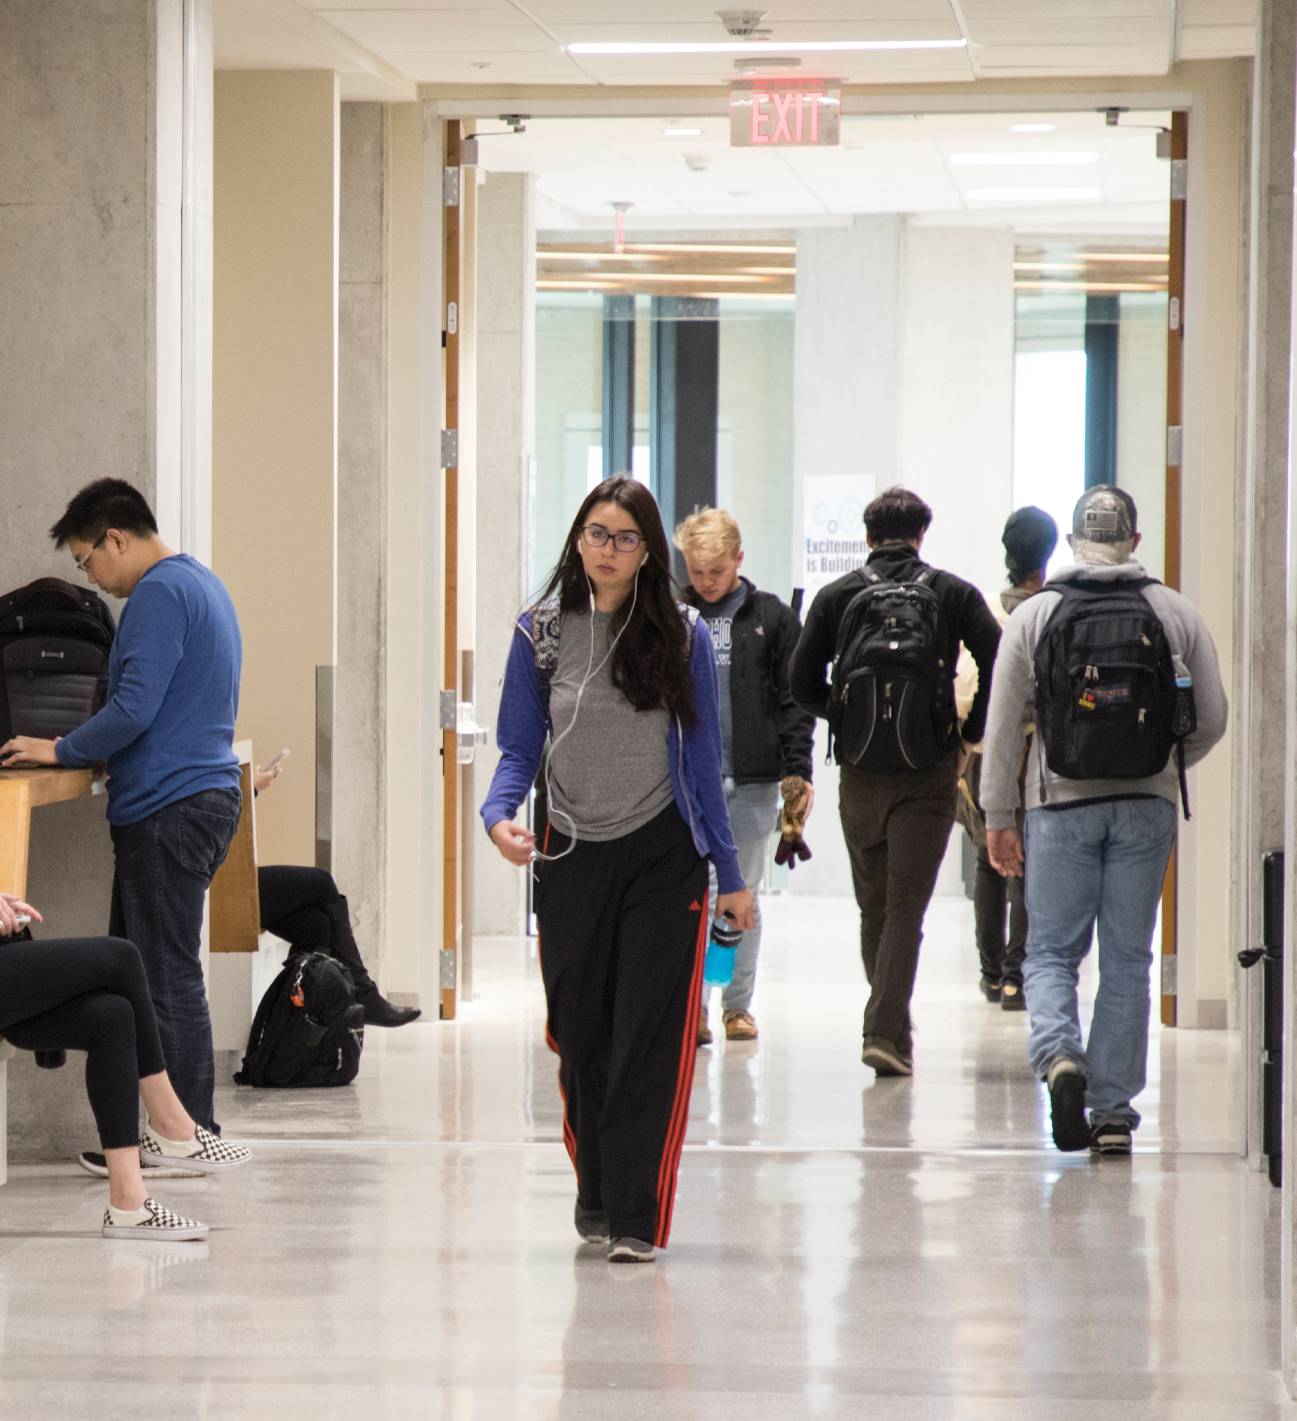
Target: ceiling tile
1217, 41
454, 31
438, 67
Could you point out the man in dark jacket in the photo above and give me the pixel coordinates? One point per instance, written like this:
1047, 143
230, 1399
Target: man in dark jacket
896, 822
765, 737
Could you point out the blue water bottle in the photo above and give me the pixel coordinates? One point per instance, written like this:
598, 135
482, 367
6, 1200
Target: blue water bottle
718, 966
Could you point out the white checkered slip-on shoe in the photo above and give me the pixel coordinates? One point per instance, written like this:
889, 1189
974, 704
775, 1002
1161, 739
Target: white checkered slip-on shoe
93, 1162
157, 1222
204, 1154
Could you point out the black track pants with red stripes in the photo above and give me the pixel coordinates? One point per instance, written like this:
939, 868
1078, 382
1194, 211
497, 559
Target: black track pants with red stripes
622, 932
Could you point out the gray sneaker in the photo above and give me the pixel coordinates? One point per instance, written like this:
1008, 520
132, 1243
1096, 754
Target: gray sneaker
886, 1059
93, 1162
591, 1224
631, 1250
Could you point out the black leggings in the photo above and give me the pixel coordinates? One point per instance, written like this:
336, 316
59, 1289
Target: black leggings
86, 994
301, 905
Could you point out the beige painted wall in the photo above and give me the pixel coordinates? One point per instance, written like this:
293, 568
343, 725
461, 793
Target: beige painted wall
275, 415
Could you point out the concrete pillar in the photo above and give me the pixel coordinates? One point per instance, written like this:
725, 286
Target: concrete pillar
359, 702
506, 354
105, 287
903, 360
275, 415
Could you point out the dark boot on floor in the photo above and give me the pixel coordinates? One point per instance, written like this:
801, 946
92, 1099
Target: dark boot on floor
380, 1012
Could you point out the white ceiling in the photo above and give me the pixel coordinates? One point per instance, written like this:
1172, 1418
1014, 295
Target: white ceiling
917, 166
382, 48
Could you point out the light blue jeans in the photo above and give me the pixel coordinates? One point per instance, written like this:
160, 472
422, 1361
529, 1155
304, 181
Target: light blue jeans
1104, 864
752, 821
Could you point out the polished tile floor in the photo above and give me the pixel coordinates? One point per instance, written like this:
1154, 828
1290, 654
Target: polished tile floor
844, 1247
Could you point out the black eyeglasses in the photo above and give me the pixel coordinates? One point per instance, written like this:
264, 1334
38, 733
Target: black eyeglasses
597, 536
98, 543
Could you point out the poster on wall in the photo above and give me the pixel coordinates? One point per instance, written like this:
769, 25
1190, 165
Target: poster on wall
833, 529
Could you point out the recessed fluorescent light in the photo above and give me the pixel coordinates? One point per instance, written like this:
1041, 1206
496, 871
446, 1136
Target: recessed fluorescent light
814, 46
1021, 160
682, 133
1033, 128
1031, 195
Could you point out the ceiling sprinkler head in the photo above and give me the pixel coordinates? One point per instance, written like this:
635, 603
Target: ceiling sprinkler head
697, 162
743, 24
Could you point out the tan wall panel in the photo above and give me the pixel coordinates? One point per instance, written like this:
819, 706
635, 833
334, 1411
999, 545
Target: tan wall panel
274, 414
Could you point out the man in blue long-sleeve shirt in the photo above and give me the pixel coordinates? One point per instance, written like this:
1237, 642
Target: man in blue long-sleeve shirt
166, 733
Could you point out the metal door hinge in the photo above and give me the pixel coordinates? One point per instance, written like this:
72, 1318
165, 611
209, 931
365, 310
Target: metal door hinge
1173, 313
452, 318
450, 186
1169, 961
450, 448
447, 969
447, 709
1179, 179
1174, 445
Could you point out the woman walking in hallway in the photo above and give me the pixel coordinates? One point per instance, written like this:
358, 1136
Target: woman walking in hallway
610, 669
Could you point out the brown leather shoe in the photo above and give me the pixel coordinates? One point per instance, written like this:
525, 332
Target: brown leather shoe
704, 1030
739, 1026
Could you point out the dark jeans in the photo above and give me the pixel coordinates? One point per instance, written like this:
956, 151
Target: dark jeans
896, 827
164, 866
994, 899
91, 995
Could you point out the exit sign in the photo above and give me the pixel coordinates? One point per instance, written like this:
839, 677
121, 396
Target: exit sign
783, 113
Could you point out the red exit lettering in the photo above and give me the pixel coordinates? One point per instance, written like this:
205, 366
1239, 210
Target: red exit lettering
786, 118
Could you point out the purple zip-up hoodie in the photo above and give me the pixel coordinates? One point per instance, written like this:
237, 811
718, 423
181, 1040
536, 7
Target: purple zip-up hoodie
523, 727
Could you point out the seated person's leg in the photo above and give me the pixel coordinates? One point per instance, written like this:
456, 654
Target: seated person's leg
304, 907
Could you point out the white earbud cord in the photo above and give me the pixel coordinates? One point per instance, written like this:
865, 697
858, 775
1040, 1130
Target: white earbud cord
591, 671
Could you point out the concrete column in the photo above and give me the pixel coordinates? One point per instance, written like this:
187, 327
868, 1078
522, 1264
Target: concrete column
903, 361
275, 415
846, 440
1258, 697
506, 354
359, 702
105, 287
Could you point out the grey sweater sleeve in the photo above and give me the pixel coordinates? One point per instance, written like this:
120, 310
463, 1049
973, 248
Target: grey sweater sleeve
1190, 639
1012, 694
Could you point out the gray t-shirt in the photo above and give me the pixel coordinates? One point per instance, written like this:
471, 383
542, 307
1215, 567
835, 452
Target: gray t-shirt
719, 617
609, 773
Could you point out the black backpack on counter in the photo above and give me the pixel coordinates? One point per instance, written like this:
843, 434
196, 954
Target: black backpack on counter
892, 698
54, 644
309, 1029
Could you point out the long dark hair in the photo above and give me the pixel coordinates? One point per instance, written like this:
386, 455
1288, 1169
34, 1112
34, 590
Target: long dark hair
650, 665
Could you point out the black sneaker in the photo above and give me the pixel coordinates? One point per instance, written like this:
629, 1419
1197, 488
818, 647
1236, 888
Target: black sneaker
591, 1224
631, 1250
1012, 997
1110, 1137
886, 1059
93, 1162
989, 989
1066, 1082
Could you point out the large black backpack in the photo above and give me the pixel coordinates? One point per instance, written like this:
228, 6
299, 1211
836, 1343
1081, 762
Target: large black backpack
1107, 706
891, 696
309, 1029
54, 644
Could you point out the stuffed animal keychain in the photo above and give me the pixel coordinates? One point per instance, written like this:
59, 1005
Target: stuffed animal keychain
792, 819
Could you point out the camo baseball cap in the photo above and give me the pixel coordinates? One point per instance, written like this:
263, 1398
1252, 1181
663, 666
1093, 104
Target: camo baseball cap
1104, 514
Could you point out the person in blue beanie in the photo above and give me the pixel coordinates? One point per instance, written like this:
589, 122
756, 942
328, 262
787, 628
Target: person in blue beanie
611, 675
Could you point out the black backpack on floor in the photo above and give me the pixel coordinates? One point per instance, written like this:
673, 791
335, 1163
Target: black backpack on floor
309, 1029
892, 696
54, 644
1107, 703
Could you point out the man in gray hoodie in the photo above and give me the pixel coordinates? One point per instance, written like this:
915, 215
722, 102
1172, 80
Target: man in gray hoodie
1098, 847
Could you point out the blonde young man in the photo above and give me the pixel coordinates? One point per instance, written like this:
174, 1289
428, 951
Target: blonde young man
765, 737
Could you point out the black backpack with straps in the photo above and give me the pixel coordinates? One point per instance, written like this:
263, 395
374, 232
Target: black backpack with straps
1108, 706
309, 1029
54, 645
891, 694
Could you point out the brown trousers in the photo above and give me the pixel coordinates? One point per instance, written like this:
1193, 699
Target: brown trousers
896, 827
